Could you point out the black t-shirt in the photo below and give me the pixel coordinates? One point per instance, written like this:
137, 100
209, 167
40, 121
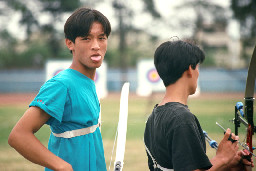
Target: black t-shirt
175, 139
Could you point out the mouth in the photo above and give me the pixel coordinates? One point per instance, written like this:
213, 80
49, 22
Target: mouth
96, 57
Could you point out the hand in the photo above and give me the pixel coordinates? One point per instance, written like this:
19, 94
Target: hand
245, 161
240, 162
227, 148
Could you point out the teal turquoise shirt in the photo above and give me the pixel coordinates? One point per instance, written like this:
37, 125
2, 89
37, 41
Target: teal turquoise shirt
70, 99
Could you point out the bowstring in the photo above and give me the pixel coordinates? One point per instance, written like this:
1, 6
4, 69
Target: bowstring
113, 148
244, 141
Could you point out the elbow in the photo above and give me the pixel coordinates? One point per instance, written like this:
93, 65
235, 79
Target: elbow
12, 139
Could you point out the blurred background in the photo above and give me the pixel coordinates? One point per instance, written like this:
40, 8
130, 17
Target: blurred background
31, 36
31, 33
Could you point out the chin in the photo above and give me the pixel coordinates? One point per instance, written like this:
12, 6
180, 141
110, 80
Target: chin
192, 92
98, 65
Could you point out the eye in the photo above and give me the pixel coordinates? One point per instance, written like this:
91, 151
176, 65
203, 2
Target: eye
85, 38
103, 38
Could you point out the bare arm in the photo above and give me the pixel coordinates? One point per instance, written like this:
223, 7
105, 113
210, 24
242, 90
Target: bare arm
23, 140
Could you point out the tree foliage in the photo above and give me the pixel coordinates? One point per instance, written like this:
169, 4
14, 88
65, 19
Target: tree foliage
245, 13
150, 7
44, 39
125, 15
205, 11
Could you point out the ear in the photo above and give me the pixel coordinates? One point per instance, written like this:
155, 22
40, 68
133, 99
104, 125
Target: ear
69, 44
190, 71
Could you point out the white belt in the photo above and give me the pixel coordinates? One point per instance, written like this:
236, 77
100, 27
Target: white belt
77, 132
156, 165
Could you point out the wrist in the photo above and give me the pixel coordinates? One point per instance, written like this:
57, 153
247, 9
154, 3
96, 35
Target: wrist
219, 163
65, 166
61, 166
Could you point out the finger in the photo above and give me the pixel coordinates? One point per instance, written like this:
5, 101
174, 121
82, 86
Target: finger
246, 158
228, 131
245, 152
231, 139
227, 134
241, 153
246, 162
234, 137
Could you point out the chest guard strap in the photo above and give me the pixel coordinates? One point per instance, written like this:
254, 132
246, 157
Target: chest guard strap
77, 132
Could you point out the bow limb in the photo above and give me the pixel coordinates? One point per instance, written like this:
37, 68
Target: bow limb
249, 100
122, 128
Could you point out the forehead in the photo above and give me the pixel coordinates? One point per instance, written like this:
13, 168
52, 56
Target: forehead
96, 28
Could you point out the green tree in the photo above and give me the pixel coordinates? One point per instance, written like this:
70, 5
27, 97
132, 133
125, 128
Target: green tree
42, 40
7, 48
209, 17
27, 17
48, 36
124, 14
54, 8
245, 13
204, 11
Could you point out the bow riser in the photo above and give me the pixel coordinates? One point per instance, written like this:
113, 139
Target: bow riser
249, 116
248, 108
249, 99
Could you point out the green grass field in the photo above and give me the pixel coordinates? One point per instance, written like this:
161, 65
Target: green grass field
208, 108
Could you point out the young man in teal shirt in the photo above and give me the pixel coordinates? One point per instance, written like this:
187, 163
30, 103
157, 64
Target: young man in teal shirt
68, 103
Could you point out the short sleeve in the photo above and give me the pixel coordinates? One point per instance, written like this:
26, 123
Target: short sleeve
51, 98
187, 149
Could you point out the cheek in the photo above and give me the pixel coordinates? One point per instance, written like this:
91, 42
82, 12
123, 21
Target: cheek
82, 49
104, 48
197, 72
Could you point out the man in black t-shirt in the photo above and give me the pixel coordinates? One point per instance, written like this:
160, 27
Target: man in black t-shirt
171, 129
173, 137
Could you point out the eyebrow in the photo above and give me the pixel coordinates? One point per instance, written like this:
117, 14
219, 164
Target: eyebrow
102, 34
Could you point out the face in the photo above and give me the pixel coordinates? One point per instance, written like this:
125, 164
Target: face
195, 75
88, 52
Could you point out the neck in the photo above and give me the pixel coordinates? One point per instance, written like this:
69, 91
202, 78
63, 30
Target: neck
90, 73
177, 92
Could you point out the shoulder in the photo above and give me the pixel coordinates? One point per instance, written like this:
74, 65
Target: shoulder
57, 83
175, 110
66, 78
63, 76
175, 115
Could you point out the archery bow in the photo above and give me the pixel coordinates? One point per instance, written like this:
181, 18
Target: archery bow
122, 128
248, 108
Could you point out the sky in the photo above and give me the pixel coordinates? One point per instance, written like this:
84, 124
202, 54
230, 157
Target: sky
142, 20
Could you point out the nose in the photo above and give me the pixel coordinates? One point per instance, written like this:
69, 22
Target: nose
95, 45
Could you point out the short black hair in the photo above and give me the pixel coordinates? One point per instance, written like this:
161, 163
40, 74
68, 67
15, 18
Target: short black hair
173, 58
80, 22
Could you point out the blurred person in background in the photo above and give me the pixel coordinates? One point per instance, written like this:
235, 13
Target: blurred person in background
68, 103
